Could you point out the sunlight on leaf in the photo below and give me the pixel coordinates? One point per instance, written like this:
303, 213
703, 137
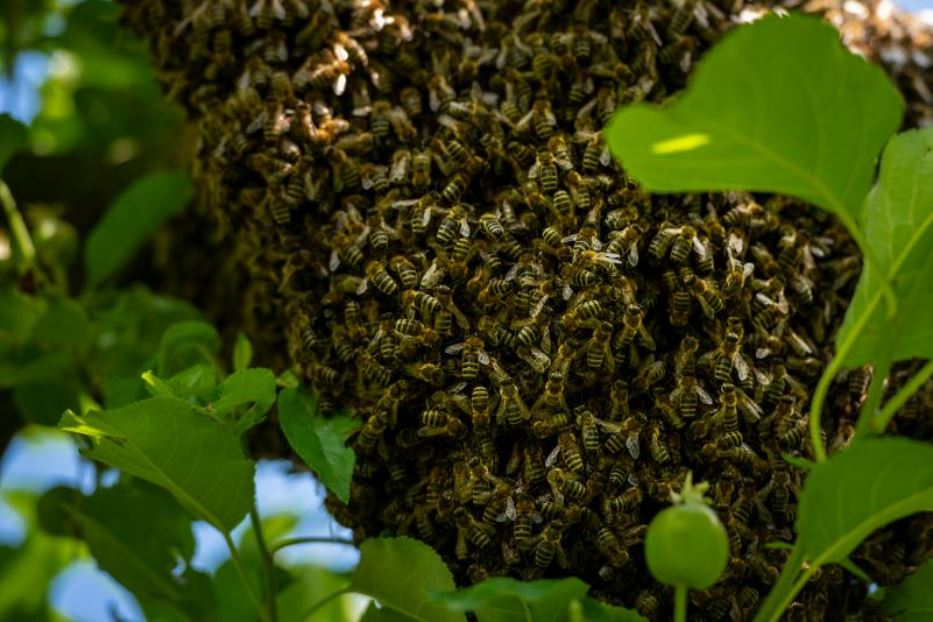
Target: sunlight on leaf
867, 486
165, 441
763, 115
255, 387
399, 573
319, 441
898, 221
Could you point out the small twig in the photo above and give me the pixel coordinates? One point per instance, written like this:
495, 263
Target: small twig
21, 238
319, 604
238, 564
268, 562
900, 398
308, 540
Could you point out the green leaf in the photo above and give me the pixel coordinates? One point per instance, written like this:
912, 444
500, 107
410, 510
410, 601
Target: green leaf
13, 137
242, 352
319, 441
52, 511
134, 216
136, 533
502, 599
166, 441
247, 386
27, 571
375, 613
898, 221
185, 344
311, 585
779, 105
867, 486
595, 611
44, 401
19, 312
399, 573
195, 384
912, 599
120, 391
64, 323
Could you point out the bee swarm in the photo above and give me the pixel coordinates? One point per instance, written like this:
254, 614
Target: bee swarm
538, 351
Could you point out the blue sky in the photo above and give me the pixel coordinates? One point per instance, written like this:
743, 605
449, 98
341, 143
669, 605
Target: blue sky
83, 593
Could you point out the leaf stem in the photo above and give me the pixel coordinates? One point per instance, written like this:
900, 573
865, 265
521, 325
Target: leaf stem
900, 398
785, 580
21, 237
791, 594
875, 392
238, 564
871, 258
320, 604
822, 387
268, 563
308, 540
680, 602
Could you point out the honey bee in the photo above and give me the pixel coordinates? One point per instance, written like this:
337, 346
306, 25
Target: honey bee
568, 448
473, 355
665, 405
370, 433
380, 278
470, 531
545, 171
597, 348
659, 449
650, 373
706, 294
727, 415
632, 327
512, 409
549, 545
726, 358
525, 513
687, 393
624, 243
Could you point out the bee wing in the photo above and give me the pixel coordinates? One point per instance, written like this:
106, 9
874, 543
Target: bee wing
634, 448
605, 158
465, 228
564, 163
762, 378
633, 255
334, 262
483, 357
608, 426
340, 84
741, 367
455, 348
510, 512
534, 171
705, 397
361, 289
699, 247
748, 268
552, 457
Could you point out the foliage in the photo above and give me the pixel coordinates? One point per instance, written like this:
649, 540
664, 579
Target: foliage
318, 441
912, 600
501, 599
132, 219
141, 380
793, 134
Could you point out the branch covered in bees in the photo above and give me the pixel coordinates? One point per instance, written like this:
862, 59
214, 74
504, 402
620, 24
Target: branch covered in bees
538, 351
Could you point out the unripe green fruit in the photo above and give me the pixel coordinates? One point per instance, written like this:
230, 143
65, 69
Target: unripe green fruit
687, 544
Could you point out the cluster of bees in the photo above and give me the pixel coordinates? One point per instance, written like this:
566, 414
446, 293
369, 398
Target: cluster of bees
537, 350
